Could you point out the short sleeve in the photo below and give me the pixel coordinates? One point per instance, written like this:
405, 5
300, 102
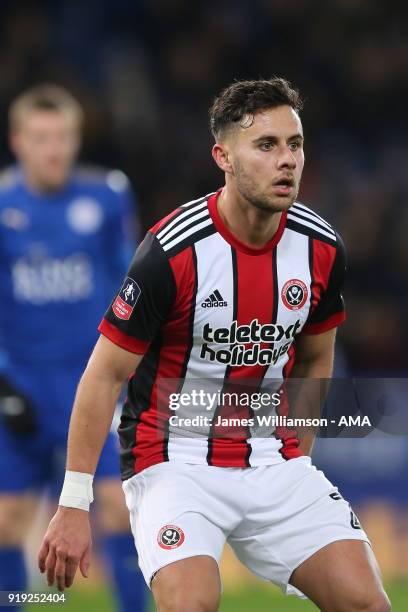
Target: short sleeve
144, 300
330, 310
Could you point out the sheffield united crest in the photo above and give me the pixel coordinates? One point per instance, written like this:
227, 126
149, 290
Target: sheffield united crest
294, 294
170, 536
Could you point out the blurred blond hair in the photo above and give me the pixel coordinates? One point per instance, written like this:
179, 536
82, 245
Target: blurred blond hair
46, 97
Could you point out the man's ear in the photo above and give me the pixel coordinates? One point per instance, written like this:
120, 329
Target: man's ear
221, 156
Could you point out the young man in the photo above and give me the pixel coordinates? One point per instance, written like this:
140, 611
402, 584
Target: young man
63, 245
224, 288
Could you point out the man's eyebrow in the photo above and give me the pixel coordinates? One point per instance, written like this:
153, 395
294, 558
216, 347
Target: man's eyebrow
273, 138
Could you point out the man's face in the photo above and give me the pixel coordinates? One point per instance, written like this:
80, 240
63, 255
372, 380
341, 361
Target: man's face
266, 157
46, 143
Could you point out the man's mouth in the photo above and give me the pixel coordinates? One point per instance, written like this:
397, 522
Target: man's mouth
284, 185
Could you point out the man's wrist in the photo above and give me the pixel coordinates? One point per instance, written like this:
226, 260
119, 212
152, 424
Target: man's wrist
77, 490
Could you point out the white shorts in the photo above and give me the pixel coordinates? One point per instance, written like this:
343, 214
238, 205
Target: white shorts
273, 516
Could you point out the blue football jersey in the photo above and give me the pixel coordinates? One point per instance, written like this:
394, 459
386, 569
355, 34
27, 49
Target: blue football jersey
61, 257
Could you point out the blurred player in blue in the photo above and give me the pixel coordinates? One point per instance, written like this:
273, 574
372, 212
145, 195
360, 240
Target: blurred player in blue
66, 236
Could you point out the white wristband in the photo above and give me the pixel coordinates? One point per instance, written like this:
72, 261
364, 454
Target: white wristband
77, 490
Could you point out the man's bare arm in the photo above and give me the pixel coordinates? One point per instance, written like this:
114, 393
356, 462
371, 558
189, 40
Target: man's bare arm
314, 362
67, 542
95, 401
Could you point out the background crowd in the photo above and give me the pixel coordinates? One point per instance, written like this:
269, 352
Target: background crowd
147, 71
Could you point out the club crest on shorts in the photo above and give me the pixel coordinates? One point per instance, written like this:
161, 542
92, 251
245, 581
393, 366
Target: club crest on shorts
294, 294
170, 536
126, 299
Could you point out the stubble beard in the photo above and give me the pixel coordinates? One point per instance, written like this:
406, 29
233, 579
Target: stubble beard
249, 190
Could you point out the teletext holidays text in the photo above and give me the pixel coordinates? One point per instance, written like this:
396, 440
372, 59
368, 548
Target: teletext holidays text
276, 338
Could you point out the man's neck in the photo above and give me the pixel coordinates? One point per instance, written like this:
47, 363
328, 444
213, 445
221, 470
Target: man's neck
250, 225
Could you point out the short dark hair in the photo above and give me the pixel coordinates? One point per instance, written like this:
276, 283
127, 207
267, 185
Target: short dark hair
47, 97
250, 97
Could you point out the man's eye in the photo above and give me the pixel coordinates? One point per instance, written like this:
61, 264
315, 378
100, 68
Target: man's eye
266, 146
294, 146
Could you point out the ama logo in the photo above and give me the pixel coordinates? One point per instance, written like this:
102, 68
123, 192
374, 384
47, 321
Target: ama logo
126, 299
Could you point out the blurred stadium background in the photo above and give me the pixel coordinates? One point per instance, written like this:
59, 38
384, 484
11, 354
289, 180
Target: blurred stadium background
146, 71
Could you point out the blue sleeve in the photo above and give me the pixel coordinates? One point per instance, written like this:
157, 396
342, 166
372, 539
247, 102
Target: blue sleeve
128, 233
123, 234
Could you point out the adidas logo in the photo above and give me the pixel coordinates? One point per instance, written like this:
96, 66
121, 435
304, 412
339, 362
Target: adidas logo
215, 300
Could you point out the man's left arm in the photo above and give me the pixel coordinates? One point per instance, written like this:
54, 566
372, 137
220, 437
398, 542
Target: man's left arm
311, 375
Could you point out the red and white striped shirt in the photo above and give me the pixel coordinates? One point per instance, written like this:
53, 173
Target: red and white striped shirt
199, 304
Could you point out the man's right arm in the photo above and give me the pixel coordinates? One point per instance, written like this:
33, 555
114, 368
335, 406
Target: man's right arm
128, 328
67, 542
97, 394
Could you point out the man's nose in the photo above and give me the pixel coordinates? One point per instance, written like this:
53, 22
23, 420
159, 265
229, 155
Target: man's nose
286, 159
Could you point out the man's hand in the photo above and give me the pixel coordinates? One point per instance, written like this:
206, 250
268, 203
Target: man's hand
66, 545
